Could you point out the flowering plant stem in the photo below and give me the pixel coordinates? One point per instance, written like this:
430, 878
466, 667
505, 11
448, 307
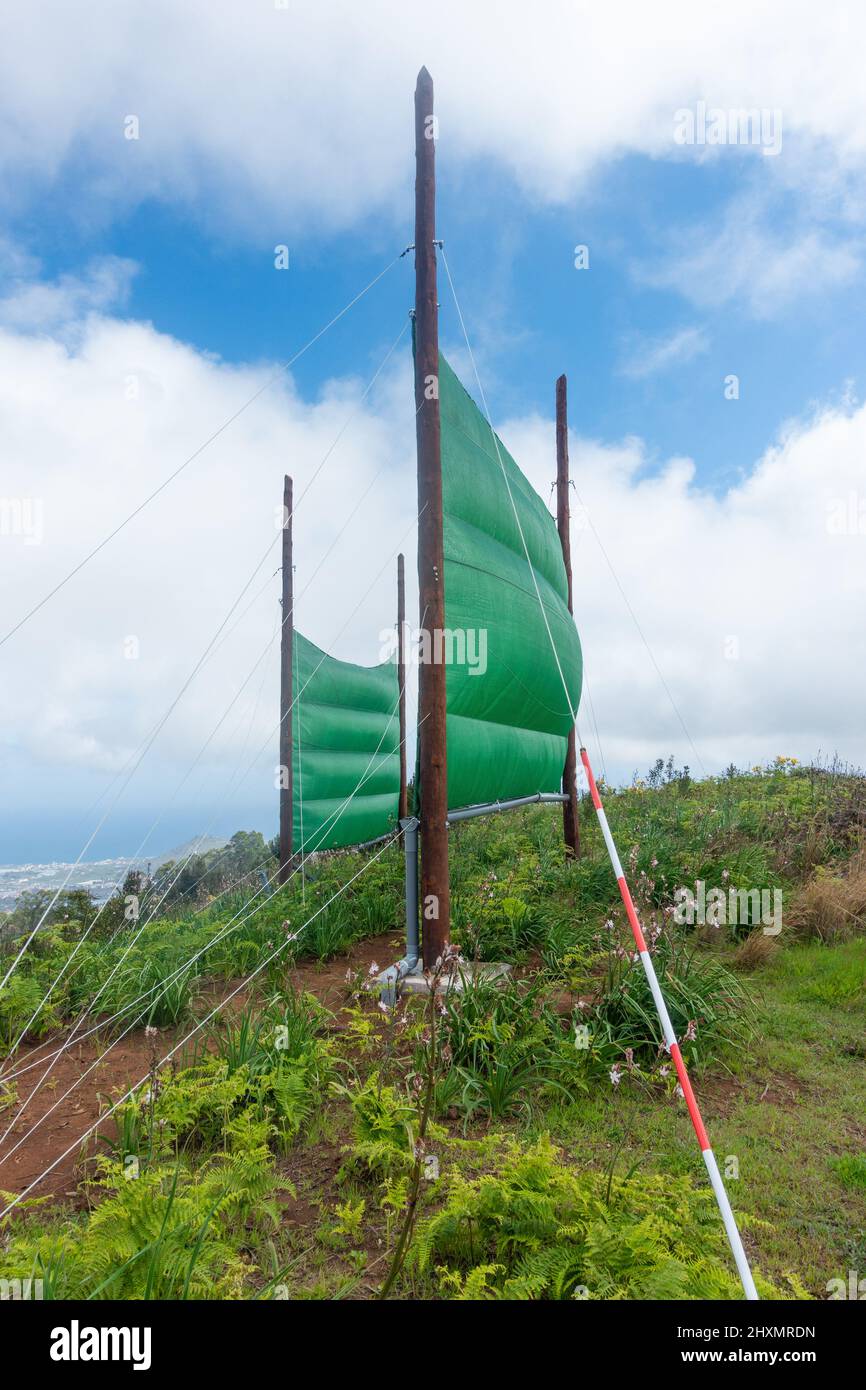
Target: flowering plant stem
401, 1250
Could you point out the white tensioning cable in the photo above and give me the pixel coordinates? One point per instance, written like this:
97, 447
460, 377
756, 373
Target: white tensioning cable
60, 974
69, 1042
243, 985
148, 744
277, 376
348, 620
324, 829
721, 1196
208, 650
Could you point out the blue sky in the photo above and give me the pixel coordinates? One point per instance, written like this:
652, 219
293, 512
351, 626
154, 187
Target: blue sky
156, 257
514, 262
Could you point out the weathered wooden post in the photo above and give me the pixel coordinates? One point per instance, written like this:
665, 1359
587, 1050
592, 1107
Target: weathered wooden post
402, 805
570, 818
286, 630
433, 789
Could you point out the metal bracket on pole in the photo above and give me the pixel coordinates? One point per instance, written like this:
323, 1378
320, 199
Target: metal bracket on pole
388, 981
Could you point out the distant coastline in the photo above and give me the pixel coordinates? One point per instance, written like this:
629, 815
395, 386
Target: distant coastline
99, 876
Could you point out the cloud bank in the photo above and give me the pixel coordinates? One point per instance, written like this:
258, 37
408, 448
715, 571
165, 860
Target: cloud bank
299, 116
750, 600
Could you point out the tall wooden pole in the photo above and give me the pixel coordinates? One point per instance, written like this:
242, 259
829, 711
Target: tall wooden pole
570, 820
435, 889
403, 805
287, 628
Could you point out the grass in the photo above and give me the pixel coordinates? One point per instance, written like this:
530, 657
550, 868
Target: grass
787, 1120
278, 1160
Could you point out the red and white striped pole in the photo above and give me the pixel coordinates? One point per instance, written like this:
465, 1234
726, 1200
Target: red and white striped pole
673, 1046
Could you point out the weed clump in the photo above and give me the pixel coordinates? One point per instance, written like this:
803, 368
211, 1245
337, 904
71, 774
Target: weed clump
832, 905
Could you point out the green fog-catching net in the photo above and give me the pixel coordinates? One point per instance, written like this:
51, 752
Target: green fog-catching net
345, 731
508, 716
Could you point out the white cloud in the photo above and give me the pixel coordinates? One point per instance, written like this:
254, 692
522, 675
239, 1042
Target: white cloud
46, 306
301, 116
760, 566
750, 601
647, 356
281, 123
749, 256
92, 424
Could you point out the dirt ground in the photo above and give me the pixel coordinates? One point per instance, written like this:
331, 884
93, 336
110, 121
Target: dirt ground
72, 1097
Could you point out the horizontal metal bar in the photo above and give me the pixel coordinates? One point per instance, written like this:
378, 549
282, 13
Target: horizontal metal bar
365, 844
368, 844
468, 812
463, 813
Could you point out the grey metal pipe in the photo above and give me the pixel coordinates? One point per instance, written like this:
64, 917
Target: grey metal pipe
468, 812
409, 826
389, 980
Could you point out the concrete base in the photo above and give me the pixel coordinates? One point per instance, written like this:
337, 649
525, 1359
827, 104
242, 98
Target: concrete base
465, 975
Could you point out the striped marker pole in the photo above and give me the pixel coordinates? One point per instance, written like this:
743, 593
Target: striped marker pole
673, 1046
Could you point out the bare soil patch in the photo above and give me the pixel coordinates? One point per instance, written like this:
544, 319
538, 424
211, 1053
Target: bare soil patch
125, 1064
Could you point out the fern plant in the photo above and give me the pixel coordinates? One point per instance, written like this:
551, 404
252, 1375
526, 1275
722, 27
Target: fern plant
536, 1229
384, 1128
166, 1233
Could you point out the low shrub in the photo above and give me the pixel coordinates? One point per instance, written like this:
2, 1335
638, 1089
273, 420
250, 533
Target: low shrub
754, 951
384, 1123
156, 990
20, 999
